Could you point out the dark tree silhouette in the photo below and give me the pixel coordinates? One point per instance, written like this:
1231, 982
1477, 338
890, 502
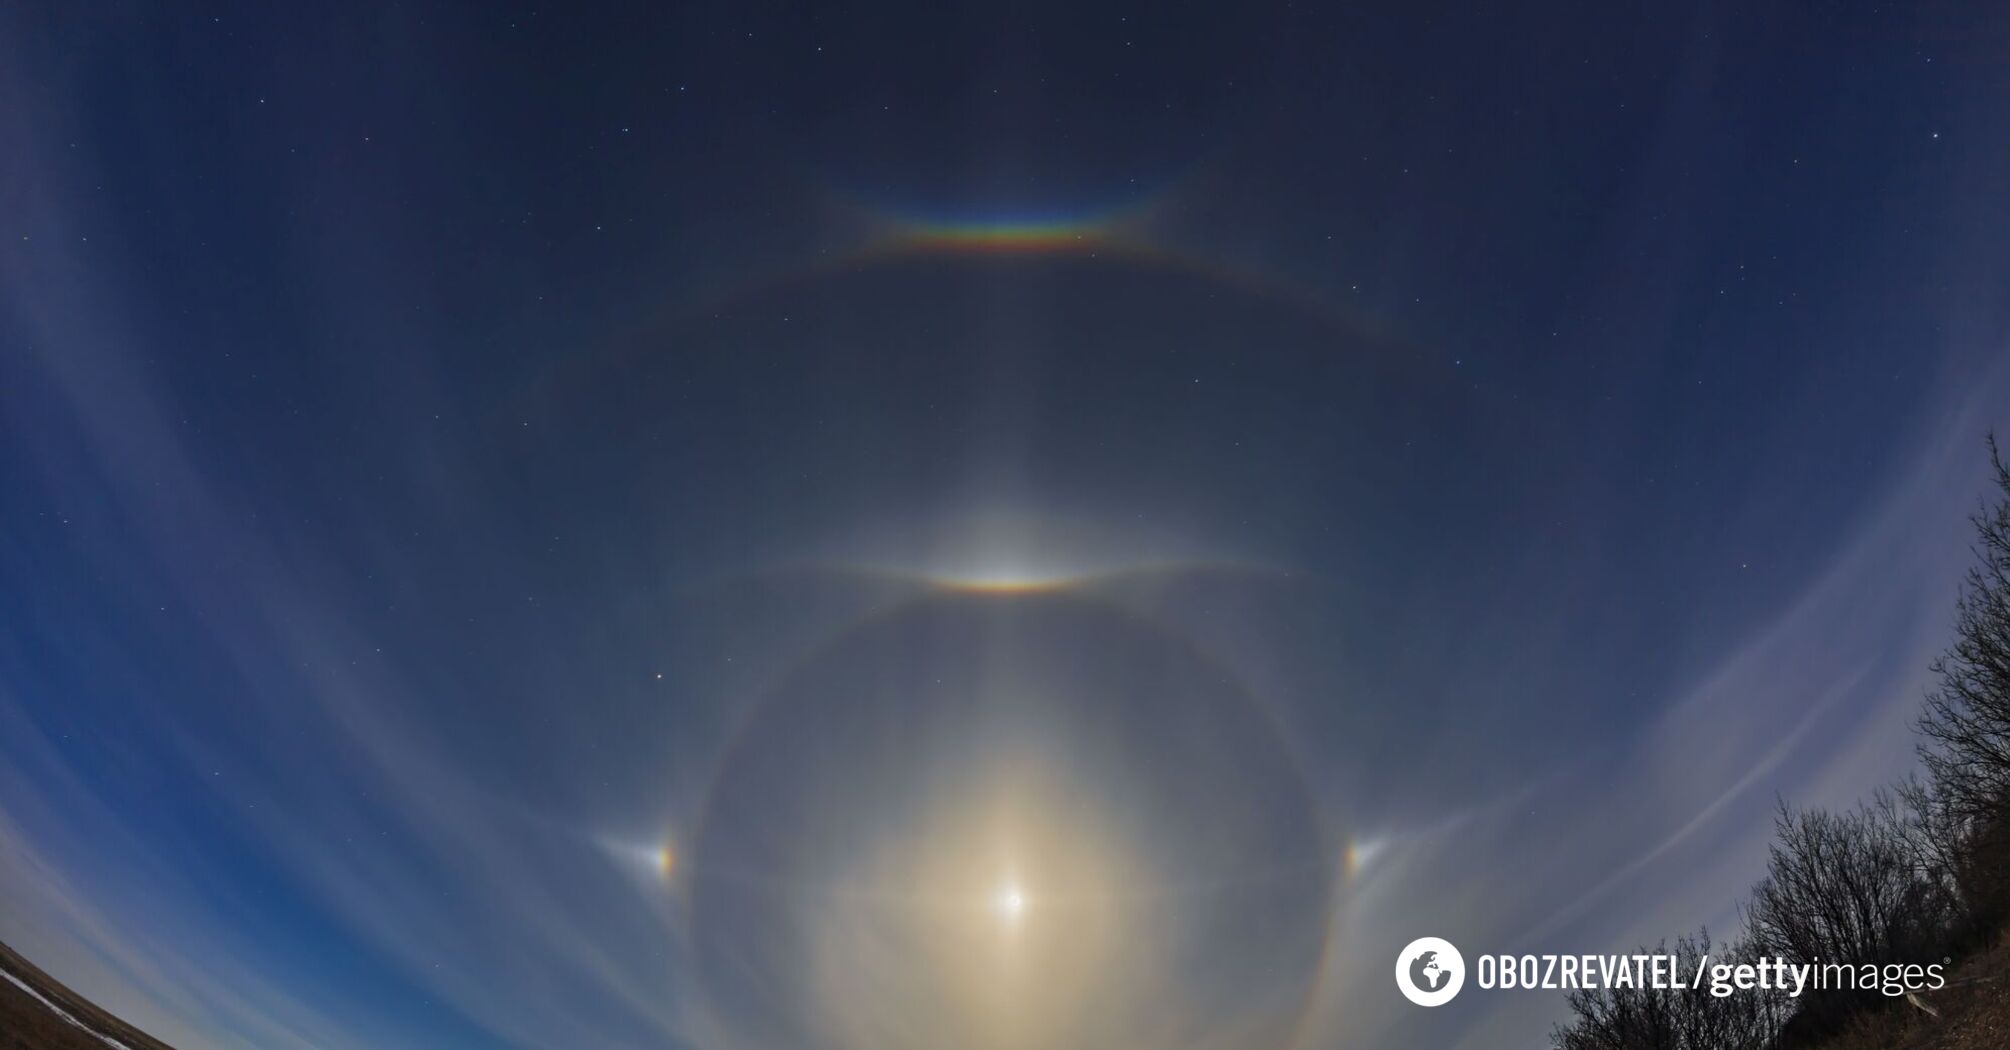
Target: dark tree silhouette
1674, 1019
1918, 874
1967, 718
1849, 887
1966, 722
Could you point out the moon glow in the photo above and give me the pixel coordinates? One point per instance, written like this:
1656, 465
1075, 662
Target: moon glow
959, 825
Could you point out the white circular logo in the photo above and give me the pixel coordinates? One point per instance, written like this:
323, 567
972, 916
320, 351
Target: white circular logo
1430, 971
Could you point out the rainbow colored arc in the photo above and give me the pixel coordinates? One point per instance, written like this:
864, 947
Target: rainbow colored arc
1002, 237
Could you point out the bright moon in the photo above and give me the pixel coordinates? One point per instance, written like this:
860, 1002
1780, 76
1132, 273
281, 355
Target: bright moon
1010, 903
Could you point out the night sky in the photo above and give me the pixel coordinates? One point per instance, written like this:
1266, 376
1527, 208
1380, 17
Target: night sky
741, 526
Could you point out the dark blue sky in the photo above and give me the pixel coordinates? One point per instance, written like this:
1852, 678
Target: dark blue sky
449, 455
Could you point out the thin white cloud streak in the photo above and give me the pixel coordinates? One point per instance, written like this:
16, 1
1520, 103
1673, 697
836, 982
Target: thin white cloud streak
1681, 814
1663, 836
1798, 711
377, 753
167, 977
547, 940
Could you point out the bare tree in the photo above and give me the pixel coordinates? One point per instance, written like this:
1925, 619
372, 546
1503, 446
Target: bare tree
1852, 889
1964, 854
1966, 722
1674, 1018
1849, 888
1967, 718
1921, 870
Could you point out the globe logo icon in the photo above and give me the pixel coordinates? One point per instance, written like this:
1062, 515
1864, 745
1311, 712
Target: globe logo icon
1430, 971
1425, 972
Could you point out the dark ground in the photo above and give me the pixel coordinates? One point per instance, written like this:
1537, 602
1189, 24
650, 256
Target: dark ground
1974, 1012
29, 1025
